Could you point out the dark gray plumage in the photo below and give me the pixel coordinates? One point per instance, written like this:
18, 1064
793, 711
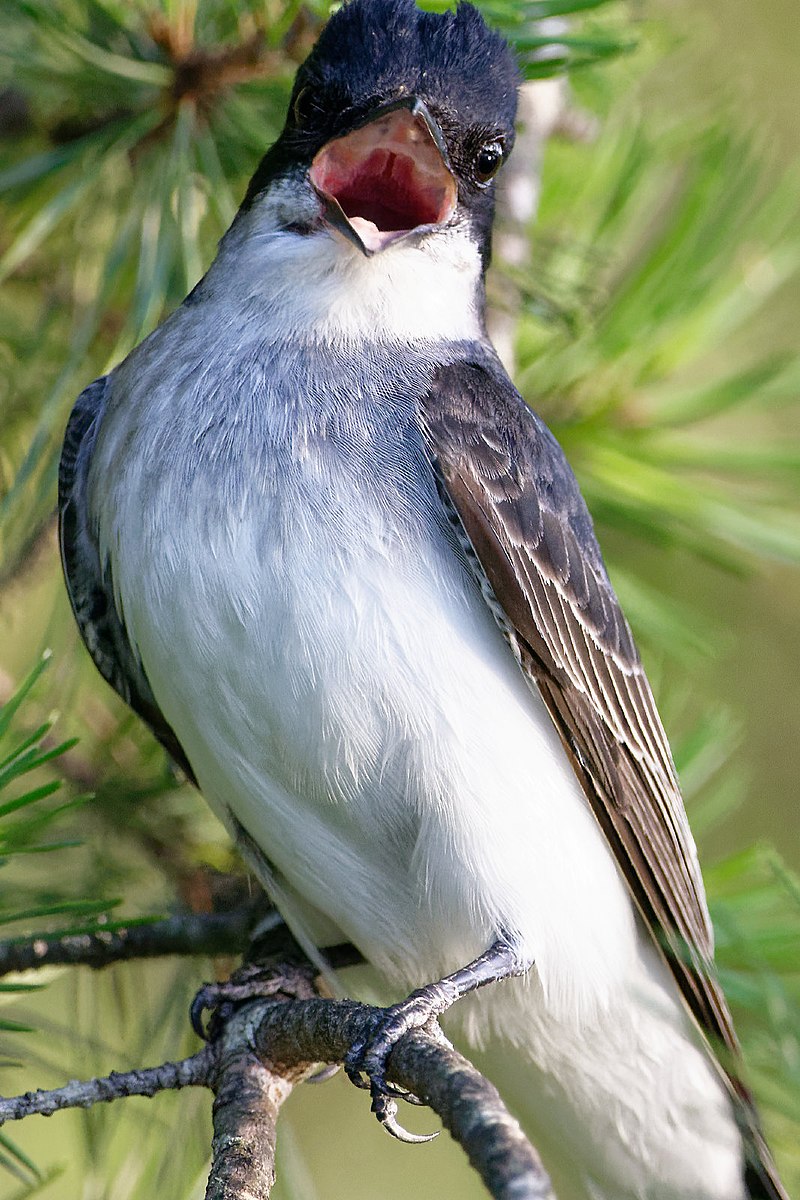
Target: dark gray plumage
522, 511
89, 585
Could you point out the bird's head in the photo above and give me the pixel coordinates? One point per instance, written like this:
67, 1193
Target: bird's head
398, 123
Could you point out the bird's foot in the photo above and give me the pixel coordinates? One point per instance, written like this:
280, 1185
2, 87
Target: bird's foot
367, 1060
253, 981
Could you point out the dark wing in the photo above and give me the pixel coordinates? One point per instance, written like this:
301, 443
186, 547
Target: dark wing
505, 482
507, 479
88, 584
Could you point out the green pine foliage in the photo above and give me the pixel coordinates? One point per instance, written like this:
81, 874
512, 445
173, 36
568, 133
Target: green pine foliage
30, 821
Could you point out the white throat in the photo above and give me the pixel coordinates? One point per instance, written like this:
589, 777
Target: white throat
318, 287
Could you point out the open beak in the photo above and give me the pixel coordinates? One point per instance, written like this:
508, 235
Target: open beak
387, 179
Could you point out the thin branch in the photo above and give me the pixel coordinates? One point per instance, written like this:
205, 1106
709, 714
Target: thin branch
183, 934
249, 1096
197, 1071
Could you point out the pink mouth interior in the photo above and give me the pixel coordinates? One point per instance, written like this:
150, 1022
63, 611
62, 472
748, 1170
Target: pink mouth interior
387, 177
385, 189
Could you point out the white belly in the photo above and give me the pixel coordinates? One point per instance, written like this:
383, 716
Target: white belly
351, 700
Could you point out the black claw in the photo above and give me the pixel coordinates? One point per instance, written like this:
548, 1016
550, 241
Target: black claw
394, 1090
250, 982
373, 1066
365, 1064
206, 1000
398, 1093
198, 1007
503, 959
353, 1066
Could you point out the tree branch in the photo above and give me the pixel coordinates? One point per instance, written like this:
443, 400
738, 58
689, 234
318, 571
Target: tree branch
424, 1063
183, 934
249, 1095
197, 1071
266, 1046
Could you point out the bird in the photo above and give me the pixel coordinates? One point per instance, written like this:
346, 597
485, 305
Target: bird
316, 539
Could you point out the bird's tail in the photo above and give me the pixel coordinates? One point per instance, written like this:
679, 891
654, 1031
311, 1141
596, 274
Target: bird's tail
762, 1182
761, 1175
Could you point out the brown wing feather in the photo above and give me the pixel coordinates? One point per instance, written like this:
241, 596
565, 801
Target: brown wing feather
505, 482
520, 507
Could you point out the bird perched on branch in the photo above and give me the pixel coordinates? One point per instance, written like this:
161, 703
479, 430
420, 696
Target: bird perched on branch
316, 539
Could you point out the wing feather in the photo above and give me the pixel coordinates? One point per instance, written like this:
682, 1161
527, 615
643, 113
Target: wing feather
517, 500
88, 583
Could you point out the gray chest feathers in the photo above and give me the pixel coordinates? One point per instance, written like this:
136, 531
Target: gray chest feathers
295, 445
277, 537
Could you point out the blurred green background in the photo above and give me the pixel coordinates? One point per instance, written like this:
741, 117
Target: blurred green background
656, 333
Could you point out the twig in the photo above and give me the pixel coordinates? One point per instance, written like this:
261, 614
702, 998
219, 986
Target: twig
197, 1071
249, 1096
183, 934
424, 1063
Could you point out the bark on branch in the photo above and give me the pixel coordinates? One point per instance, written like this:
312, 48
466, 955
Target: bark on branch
424, 1063
196, 1071
266, 1046
183, 934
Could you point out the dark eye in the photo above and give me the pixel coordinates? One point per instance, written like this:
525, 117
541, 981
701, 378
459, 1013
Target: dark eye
303, 107
488, 160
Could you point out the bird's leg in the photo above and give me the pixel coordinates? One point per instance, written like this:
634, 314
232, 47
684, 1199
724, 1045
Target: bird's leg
252, 981
368, 1057
283, 972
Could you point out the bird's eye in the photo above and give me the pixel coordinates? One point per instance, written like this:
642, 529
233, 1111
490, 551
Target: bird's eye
303, 106
488, 161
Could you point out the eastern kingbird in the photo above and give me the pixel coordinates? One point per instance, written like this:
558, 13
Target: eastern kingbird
313, 535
